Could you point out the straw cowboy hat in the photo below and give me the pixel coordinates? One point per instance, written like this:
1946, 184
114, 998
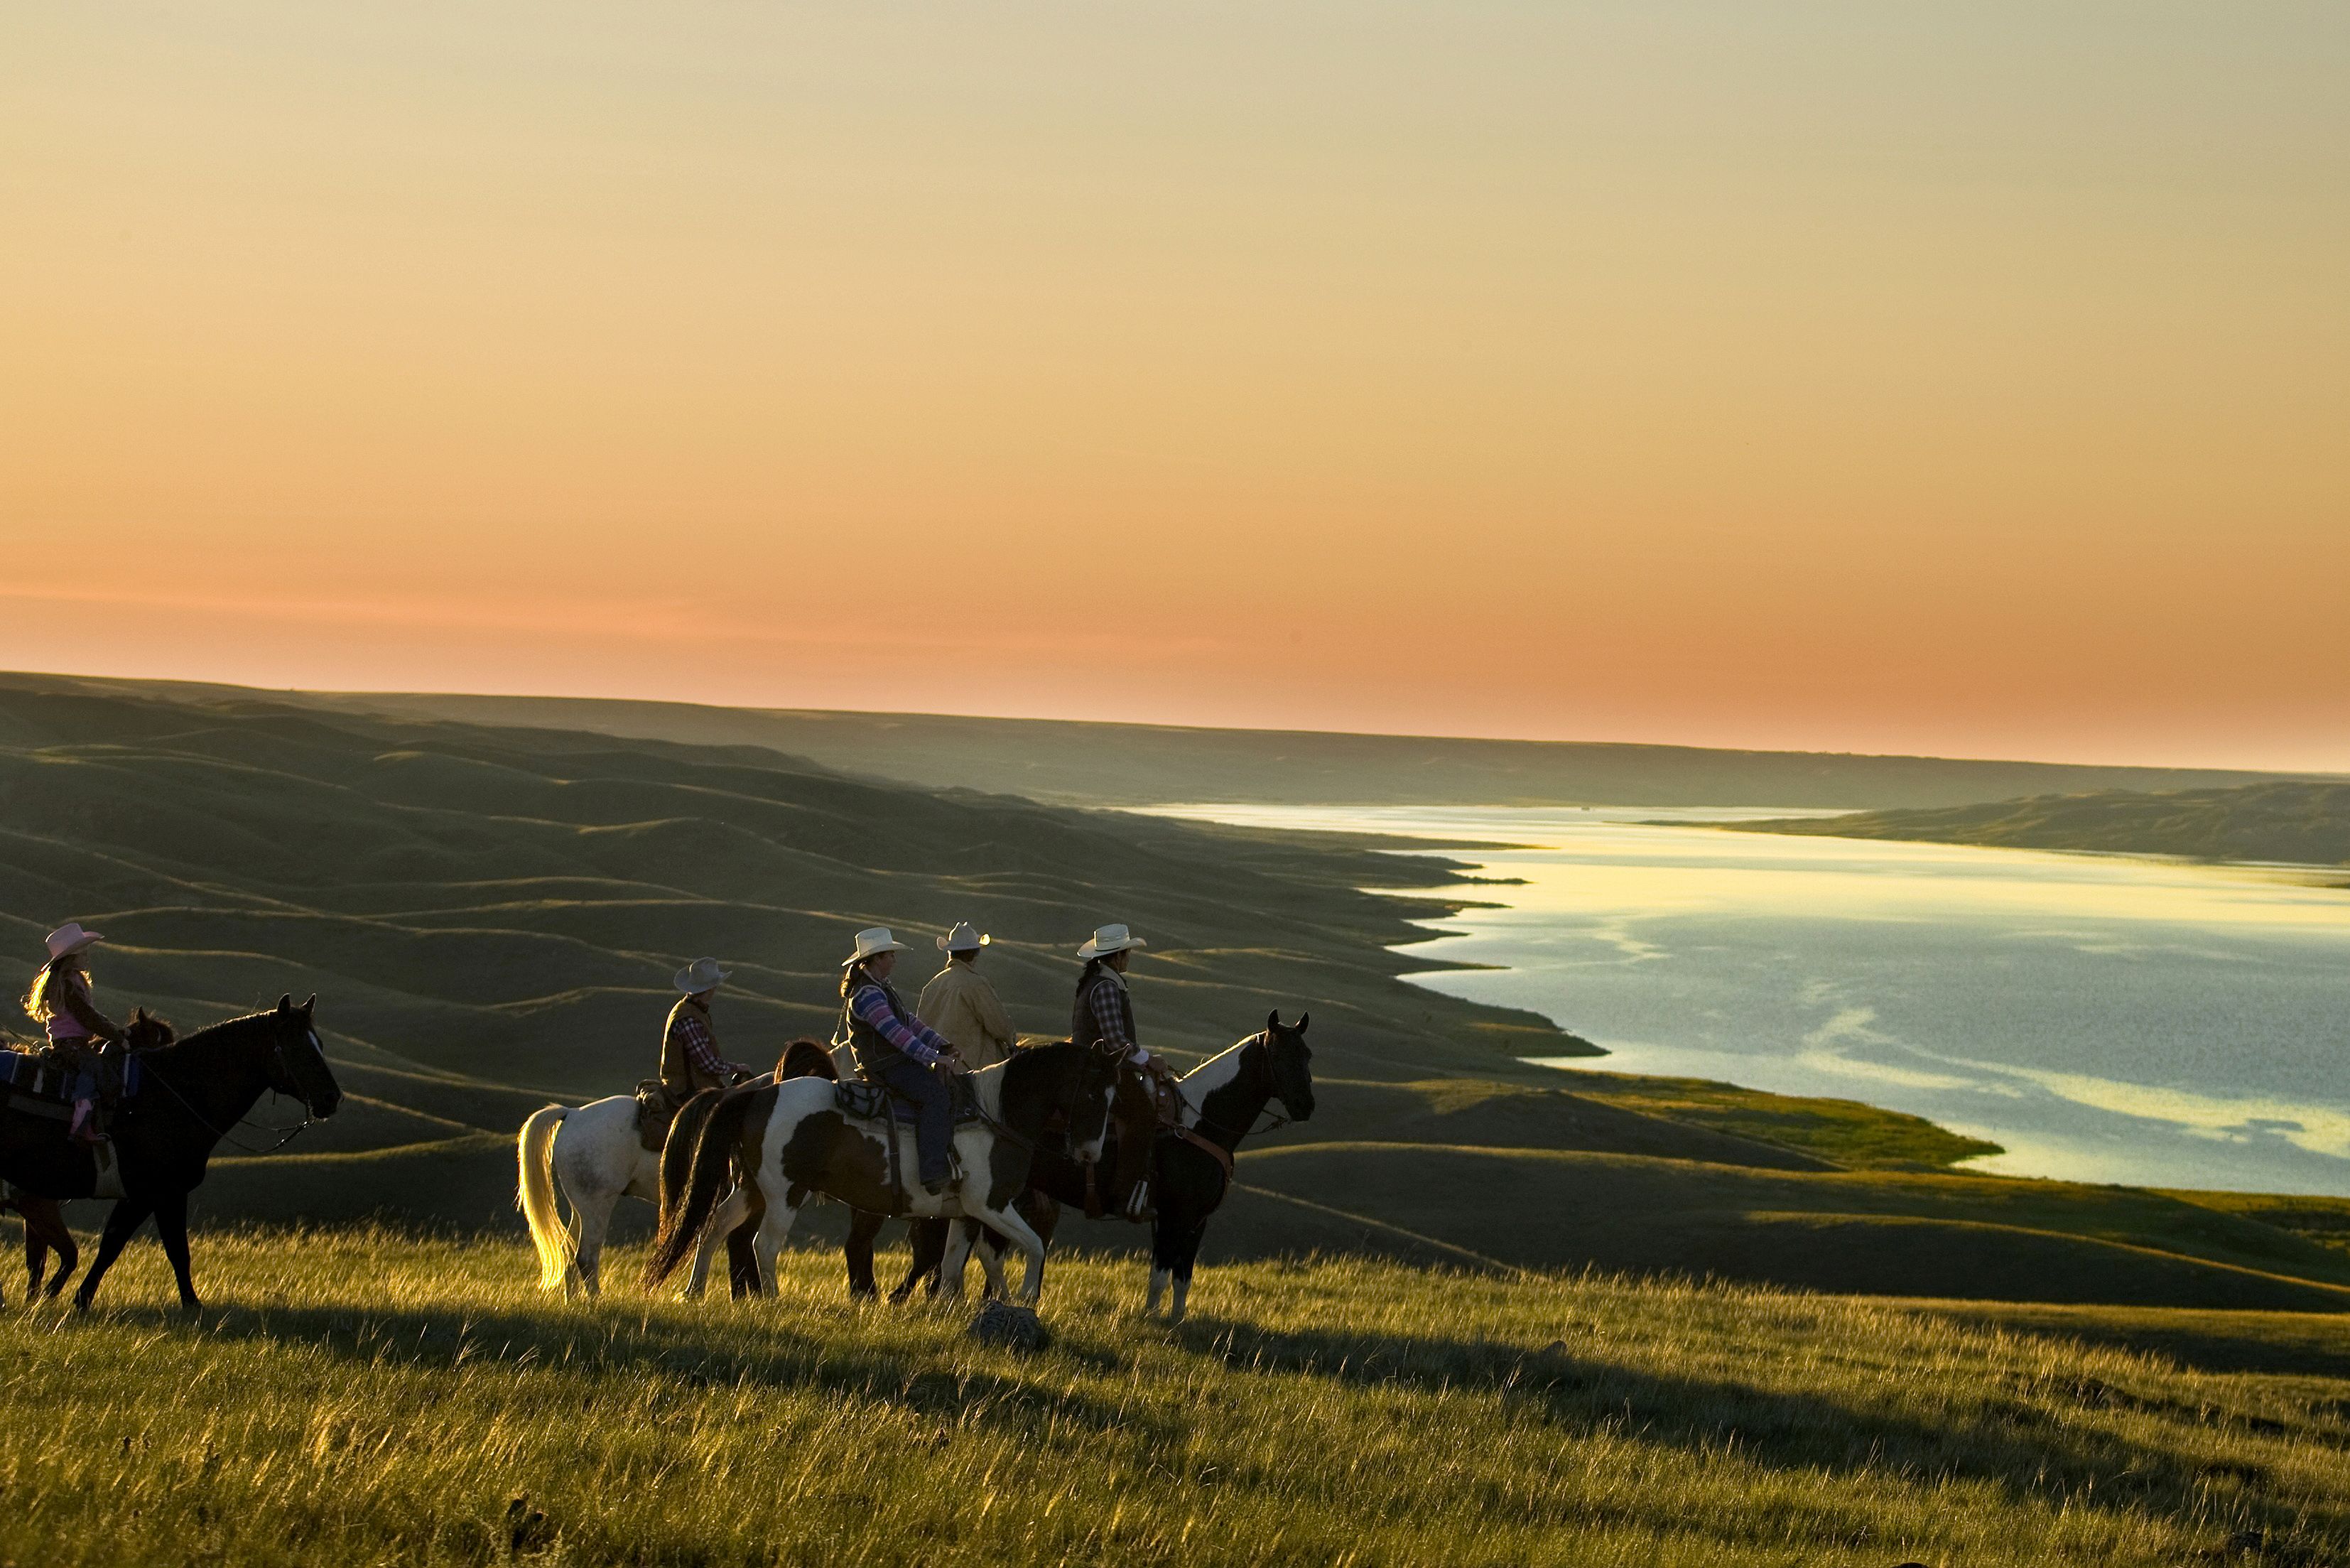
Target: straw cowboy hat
70, 939
1109, 940
962, 939
872, 940
702, 974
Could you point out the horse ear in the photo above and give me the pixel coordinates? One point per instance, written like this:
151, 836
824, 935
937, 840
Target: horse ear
1301, 1021
310, 1006
286, 1003
1273, 1019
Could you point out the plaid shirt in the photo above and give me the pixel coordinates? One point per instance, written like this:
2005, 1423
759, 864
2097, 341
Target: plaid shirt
1111, 1013
701, 1048
921, 1043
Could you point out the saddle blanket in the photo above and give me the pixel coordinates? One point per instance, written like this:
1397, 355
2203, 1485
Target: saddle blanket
31, 1083
865, 1102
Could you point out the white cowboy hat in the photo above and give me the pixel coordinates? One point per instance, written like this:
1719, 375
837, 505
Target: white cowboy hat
871, 940
962, 939
70, 937
1109, 940
702, 974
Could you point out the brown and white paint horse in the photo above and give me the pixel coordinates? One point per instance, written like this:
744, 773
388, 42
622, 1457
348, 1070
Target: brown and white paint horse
788, 1141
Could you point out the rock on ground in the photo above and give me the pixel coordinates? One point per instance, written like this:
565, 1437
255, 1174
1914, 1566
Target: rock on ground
1000, 1322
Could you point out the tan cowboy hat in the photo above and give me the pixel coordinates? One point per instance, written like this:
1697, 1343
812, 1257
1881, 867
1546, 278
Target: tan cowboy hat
1108, 940
871, 940
69, 938
962, 939
702, 974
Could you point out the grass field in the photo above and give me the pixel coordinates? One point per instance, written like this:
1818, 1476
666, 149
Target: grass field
357, 1399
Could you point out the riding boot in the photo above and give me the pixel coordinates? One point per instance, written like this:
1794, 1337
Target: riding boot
1138, 1207
81, 1131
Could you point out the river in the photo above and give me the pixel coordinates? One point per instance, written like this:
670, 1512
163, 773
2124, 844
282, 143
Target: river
2103, 1018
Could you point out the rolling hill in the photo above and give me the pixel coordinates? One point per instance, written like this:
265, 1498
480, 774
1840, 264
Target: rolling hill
1084, 763
2298, 822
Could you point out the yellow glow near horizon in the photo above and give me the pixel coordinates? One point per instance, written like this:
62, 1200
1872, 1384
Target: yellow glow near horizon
1941, 377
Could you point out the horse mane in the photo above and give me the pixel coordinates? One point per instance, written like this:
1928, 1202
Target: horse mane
218, 1033
806, 1058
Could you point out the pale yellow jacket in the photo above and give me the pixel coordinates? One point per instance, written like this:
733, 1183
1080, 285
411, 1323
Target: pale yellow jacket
961, 1004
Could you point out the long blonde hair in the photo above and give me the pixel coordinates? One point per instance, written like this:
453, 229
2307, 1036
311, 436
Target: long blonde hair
38, 1004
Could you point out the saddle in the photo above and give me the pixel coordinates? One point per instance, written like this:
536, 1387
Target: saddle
46, 1082
862, 1100
655, 1111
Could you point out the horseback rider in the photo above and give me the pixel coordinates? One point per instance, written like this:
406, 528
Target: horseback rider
59, 1001
896, 1049
1104, 1012
690, 1062
961, 1004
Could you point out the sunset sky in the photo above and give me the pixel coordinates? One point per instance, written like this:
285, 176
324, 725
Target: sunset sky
1968, 378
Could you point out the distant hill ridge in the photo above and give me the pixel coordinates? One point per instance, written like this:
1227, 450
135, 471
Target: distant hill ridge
1142, 764
2295, 822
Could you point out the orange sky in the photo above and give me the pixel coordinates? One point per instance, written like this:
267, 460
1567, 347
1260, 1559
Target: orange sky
1957, 379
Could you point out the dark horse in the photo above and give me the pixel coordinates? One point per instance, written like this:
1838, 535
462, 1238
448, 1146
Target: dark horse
1223, 1099
803, 1058
45, 1220
194, 1091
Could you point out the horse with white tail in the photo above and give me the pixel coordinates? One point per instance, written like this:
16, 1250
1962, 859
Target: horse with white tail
597, 1154
790, 1140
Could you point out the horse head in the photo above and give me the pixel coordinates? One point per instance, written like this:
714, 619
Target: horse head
805, 1059
1287, 1058
145, 1031
297, 1062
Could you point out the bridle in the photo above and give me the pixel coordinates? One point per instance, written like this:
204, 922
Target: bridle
1280, 1119
278, 1059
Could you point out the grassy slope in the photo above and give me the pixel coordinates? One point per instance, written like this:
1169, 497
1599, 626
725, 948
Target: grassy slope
490, 916
1140, 764
2306, 823
359, 1400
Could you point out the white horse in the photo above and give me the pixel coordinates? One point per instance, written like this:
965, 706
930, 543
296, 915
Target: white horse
594, 1150
795, 1140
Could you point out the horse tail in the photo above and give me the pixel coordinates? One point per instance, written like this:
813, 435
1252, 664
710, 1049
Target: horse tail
686, 1207
676, 1149
534, 1196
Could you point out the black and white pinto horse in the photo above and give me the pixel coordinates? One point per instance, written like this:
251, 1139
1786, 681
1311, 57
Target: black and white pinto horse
193, 1093
1223, 1099
785, 1142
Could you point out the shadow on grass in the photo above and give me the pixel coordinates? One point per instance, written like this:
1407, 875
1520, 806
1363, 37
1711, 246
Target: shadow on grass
2038, 1439
770, 1354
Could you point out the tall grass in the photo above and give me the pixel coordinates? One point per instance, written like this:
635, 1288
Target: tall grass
359, 1398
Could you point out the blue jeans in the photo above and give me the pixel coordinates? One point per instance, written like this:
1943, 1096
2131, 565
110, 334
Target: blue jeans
934, 1125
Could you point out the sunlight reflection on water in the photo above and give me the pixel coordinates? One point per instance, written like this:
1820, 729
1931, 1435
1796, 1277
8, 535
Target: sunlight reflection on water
2104, 1018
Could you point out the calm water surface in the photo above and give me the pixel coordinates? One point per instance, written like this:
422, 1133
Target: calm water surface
2102, 1018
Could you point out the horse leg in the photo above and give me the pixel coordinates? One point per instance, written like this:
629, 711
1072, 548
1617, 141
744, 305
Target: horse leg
857, 1251
1181, 1255
1007, 1223
732, 1211
129, 1214
61, 1242
172, 1227
774, 1223
991, 1259
744, 1275
591, 1222
927, 1240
